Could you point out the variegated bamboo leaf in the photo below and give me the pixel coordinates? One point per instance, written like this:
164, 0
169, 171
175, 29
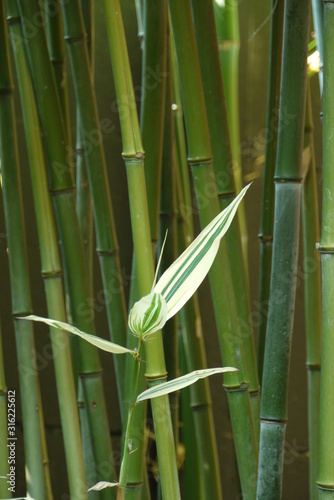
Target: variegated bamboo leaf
101, 485
180, 281
103, 344
179, 383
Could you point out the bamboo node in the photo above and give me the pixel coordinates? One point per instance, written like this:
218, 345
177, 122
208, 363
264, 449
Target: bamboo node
193, 162
155, 378
324, 249
236, 388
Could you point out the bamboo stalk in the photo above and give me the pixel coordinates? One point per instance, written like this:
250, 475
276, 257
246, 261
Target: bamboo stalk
200, 161
153, 31
89, 367
55, 42
267, 213
133, 155
285, 250
318, 20
107, 247
312, 296
325, 479
152, 109
168, 226
151, 123
51, 269
194, 352
192, 474
227, 24
222, 160
20, 288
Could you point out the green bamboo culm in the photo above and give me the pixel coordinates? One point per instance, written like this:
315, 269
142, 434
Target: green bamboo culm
325, 479
36, 463
318, 20
227, 25
4, 464
51, 269
191, 324
224, 173
55, 41
153, 31
106, 240
192, 475
312, 273
268, 191
168, 226
200, 161
288, 177
77, 287
134, 159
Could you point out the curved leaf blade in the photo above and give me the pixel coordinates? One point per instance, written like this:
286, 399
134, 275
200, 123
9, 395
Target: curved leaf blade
104, 345
101, 485
180, 382
184, 276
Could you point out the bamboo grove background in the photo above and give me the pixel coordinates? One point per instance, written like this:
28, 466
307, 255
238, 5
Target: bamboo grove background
258, 111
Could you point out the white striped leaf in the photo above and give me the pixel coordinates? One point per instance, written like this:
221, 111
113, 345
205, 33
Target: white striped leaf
101, 485
103, 344
180, 382
180, 281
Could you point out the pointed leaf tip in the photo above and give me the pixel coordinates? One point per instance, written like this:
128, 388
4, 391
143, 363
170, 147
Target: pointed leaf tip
101, 485
181, 382
180, 281
102, 344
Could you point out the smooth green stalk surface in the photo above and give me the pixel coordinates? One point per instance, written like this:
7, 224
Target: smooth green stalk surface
192, 473
151, 123
312, 295
55, 41
227, 24
200, 161
152, 109
74, 263
326, 435
199, 393
168, 225
285, 250
222, 161
133, 155
20, 287
267, 213
51, 272
318, 20
107, 247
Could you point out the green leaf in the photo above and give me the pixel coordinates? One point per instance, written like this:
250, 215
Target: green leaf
179, 383
101, 485
180, 281
103, 344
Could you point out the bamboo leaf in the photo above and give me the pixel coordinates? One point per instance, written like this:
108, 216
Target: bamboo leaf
180, 281
185, 275
103, 344
181, 382
101, 485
